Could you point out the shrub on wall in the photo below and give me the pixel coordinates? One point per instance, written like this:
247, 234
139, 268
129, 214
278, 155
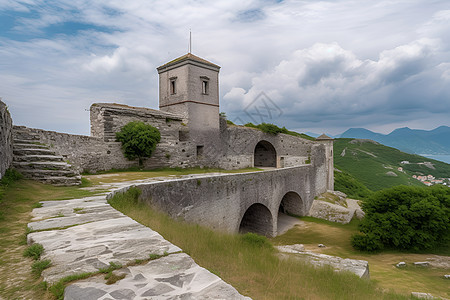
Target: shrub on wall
274, 129
405, 217
138, 140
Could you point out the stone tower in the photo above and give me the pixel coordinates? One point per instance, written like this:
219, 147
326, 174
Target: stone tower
328, 142
189, 86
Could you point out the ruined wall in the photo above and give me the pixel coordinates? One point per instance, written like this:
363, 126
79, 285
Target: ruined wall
84, 153
6, 150
221, 201
172, 151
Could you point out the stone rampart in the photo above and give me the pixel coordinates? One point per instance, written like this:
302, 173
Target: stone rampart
6, 150
220, 201
238, 147
235, 147
84, 153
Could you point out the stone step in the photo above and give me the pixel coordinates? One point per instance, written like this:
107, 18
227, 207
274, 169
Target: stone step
41, 165
29, 146
24, 141
34, 158
24, 135
60, 180
42, 174
33, 151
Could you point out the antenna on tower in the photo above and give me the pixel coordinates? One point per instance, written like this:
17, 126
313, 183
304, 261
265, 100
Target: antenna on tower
190, 41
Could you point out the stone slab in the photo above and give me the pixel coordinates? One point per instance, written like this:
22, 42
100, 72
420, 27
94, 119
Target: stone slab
51, 209
358, 267
84, 215
176, 276
91, 246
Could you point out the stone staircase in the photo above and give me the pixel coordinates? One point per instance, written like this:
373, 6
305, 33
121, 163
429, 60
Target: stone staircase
38, 162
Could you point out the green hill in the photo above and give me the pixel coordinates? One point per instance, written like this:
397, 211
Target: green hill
376, 166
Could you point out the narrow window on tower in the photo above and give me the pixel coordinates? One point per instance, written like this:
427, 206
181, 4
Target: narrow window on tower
173, 85
205, 88
205, 85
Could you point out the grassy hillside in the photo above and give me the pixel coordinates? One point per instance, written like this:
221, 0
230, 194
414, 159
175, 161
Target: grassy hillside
369, 162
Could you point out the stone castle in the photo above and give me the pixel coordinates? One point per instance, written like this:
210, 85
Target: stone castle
193, 134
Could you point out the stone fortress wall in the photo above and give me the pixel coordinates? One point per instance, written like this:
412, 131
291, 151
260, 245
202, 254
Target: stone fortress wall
297, 169
6, 146
236, 149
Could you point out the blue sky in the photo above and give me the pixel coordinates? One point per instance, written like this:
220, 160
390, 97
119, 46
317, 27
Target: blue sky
323, 66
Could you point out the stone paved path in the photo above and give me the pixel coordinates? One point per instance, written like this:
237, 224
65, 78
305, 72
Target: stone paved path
84, 235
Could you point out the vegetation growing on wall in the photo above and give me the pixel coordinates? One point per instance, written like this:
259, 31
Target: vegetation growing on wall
405, 217
274, 129
138, 140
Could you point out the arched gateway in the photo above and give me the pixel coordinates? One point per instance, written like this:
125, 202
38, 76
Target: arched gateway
265, 155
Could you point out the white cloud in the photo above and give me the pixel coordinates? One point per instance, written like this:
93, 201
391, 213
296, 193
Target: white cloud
343, 62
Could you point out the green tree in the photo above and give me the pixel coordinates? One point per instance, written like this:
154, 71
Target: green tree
405, 217
138, 140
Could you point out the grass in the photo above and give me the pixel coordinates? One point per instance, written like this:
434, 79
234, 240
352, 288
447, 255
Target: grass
34, 251
336, 238
57, 289
249, 262
38, 266
16, 204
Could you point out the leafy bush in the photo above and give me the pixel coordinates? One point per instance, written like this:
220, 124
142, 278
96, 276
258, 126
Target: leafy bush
404, 217
138, 140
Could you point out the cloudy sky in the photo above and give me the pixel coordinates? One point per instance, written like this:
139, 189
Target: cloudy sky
317, 66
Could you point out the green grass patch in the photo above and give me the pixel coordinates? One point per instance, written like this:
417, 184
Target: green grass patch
249, 262
112, 278
79, 210
57, 289
85, 182
34, 251
37, 205
112, 266
38, 266
274, 129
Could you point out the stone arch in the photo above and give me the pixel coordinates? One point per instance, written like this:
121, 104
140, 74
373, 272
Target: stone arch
292, 203
257, 219
265, 155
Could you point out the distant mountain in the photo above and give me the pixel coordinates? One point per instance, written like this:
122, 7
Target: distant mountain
436, 141
314, 135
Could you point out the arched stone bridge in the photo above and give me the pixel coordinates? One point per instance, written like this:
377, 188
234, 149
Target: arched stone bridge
237, 202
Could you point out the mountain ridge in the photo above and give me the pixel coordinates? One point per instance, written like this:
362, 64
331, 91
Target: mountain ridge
416, 141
